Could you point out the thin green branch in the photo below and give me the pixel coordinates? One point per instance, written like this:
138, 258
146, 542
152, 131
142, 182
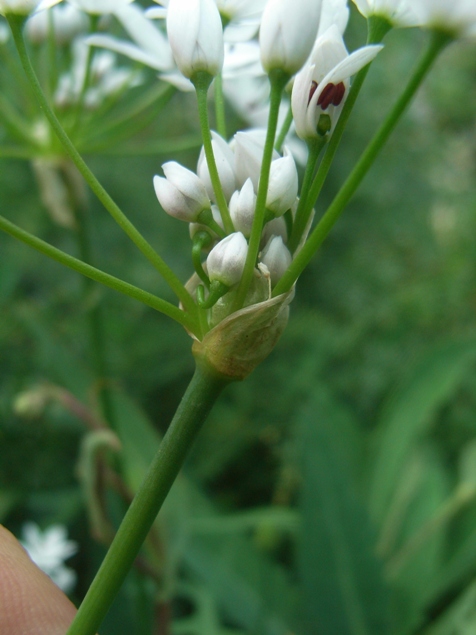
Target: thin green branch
220, 106
199, 398
125, 224
201, 80
278, 81
284, 129
300, 262
99, 276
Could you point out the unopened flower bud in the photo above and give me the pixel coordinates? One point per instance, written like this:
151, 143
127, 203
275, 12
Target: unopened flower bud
195, 34
242, 208
275, 227
224, 160
277, 258
248, 148
226, 261
182, 194
287, 33
283, 184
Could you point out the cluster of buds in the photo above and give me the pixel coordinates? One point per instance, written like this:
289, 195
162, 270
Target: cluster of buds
190, 197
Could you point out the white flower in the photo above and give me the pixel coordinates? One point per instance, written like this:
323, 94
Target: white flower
151, 46
68, 23
283, 184
24, 7
49, 549
196, 36
224, 159
276, 257
242, 208
226, 261
248, 147
333, 13
456, 16
321, 87
399, 13
287, 33
182, 194
99, 7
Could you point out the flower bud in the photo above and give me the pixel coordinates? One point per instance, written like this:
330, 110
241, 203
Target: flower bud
287, 33
224, 159
226, 261
277, 258
181, 193
248, 148
275, 227
242, 208
283, 184
195, 34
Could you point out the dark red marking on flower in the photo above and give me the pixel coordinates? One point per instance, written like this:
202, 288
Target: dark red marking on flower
331, 94
312, 91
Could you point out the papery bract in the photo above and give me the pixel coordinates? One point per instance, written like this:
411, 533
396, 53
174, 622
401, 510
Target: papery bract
287, 33
195, 34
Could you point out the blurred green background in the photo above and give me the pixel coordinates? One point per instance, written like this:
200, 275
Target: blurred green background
332, 492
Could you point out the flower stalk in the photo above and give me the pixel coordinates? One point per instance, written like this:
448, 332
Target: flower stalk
200, 396
437, 44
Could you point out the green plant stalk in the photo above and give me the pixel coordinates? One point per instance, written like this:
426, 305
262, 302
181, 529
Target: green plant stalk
284, 129
202, 80
148, 251
78, 111
335, 209
303, 211
278, 80
377, 29
200, 396
51, 54
95, 318
220, 113
100, 276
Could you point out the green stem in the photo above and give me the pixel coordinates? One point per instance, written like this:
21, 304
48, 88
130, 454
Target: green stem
148, 251
202, 80
437, 44
303, 211
278, 81
78, 110
100, 276
200, 396
284, 129
220, 106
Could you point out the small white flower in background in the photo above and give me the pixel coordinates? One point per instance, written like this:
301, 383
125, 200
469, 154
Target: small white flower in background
195, 34
287, 33
224, 159
399, 13
24, 7
283, 184
49, 549
99, 7
68, 23
181, 193
276, 257
242, 208
322, 85
226, 261
458, 17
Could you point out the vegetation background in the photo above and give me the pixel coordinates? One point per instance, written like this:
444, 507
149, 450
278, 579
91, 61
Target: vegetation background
334, 491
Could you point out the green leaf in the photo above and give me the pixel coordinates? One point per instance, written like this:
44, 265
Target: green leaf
409, 413
342, 583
